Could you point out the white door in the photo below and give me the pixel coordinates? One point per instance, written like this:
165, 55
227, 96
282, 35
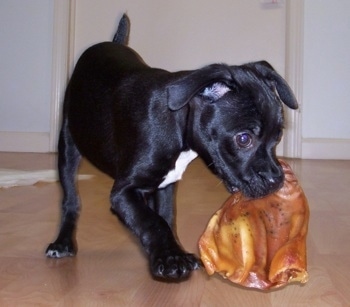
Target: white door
321, 78
34, 48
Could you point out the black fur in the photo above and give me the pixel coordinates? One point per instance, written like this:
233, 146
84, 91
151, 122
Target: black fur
133, 121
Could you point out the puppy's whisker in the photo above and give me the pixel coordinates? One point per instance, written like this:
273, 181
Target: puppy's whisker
210, 164
220, 182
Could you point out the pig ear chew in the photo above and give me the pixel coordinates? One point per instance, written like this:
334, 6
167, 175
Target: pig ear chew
246, 247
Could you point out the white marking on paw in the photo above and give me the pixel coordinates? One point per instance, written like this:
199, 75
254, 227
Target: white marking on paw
181, 163
53, 254
56, 254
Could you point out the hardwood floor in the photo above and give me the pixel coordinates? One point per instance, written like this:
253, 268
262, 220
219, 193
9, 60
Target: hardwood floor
110, 269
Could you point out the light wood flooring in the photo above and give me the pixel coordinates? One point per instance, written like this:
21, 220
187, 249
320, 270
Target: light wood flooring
110, 269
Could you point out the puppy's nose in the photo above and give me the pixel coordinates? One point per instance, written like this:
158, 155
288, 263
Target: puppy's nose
271, 181
274, 180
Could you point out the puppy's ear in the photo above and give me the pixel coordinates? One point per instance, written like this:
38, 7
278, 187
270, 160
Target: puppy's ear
211, 82
285, 93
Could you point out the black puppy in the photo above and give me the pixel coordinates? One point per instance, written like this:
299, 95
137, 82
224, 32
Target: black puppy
142, 126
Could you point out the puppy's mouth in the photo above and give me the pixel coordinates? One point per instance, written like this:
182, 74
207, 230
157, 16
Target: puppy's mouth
232, 189
252, 184
255, 189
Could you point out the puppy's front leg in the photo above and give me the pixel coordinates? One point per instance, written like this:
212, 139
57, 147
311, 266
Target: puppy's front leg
162, 202
166, 258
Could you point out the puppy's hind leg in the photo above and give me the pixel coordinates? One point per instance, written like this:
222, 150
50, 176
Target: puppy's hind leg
68, 162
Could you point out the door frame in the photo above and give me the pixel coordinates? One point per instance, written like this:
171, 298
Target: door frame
63, 50
292, 142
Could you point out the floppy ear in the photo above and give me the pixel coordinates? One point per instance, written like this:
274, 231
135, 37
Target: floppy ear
285, 93
211, 81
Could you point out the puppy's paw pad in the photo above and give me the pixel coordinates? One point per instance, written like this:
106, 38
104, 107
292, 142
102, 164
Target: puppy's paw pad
56, 250
174, 266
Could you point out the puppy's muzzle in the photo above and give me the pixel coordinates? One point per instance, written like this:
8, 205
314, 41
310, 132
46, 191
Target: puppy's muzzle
260, 184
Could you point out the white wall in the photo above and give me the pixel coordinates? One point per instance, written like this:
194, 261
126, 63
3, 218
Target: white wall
326, 80
173, 35
25, 61
187, 34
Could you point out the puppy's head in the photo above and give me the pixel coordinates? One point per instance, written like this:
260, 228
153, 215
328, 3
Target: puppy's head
235, 122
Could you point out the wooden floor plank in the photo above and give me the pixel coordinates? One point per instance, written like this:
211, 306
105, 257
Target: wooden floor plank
111, 270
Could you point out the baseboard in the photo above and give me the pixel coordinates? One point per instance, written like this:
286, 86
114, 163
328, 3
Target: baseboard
24, 142
337, 149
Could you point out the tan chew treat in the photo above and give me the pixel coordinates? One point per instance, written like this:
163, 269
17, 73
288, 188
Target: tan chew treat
259, 243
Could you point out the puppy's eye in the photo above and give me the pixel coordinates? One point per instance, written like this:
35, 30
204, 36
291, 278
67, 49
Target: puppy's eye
243, 139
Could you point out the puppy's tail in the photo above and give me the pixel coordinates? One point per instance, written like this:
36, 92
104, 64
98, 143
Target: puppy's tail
122, 35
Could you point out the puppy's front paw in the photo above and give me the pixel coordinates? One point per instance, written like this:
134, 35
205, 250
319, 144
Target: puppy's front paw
173, 265
60, 250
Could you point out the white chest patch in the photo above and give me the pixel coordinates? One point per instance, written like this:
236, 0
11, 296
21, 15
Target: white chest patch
181, 163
